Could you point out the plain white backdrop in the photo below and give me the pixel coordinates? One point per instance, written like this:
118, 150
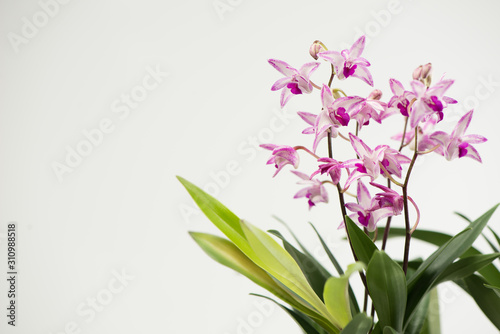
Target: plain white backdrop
104, 102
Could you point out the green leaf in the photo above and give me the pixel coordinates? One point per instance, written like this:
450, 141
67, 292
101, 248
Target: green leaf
315, 273
390, 330
496, 289
362, 245
485, 298
352, 297
219, 215
497, 238
227, 254
426, 275
386, 283
271, 257
336, 295
432, 323
360, 324
304, 322
418, 320
463, 216
465, 267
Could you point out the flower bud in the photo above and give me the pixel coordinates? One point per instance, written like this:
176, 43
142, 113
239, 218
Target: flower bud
423, 74
316, 48
375, 95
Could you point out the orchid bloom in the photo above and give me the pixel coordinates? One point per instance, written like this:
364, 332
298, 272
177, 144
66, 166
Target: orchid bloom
370, 160
429, 101
367, 212
281, 156
389, 198
458, 145
349, 63
362, 110
332, 167
401, 99
332, 116
314, 191
295, 81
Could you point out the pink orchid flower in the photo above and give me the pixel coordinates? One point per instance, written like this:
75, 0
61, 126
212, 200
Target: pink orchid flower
429, 101
369, 161
295, 81
458, 145
367, 212
349, 63
314, 191
281, 156
331, 167
400, 100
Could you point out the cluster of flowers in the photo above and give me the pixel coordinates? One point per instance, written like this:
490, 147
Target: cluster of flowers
422, 108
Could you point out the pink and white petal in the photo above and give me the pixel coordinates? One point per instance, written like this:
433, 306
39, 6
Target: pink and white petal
326, 96
354, 207
441, 137
286, 94
473, 139
359, 146
418, 112
282, 67
396, 87
270, 147
307, 117
377, 215
472, 153
364, 198
361, 72
449, 100
418, 88
357, 48
333, 57
279, 84
360, 61
303, 176
353, 177
307, 69
441, 87
462, 125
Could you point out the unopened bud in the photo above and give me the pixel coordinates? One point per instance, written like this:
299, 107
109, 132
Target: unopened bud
375, 95
316, 48
423, 73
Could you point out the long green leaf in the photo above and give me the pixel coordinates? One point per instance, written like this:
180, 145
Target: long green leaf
432, 323
227, 254
363, 246
417, 322
337, 296
271, 257
496, 289
390, 330
386, 283
352, 297
465, 267
219, 215
487, 300
360, 324
431, 268
304, 322
314, 272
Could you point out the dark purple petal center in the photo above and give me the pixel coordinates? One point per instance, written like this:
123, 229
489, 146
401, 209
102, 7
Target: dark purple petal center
294, 88
362, 219
342, 116
436, 105
349, 69
462, 150
403, 107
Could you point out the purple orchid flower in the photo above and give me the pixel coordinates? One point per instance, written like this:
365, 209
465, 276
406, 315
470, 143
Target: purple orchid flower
295, 81
458, 145
424, 141
349, 63
429, 101
401, 99
389, 198
365, 109
281, 156
331, 167
370, 160
367, 212
314, 191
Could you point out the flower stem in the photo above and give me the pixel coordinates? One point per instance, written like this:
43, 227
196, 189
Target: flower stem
405, 205
387, 224
299, 147
331, 77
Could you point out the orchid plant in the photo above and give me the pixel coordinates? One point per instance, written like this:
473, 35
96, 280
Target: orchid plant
397, 294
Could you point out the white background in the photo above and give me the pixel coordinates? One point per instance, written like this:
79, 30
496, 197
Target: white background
120, 209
